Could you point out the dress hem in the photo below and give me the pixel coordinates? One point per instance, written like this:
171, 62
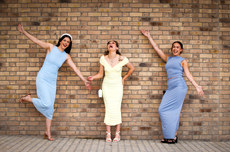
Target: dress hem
113, 124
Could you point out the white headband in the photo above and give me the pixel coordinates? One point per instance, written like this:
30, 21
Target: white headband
68, 35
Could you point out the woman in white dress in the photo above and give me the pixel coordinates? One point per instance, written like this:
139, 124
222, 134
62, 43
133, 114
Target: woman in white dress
112, 88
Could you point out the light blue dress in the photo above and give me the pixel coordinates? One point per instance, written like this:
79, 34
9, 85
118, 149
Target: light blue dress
46, 82
173, 98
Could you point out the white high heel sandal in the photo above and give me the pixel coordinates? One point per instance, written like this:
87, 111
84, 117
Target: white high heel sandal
108, 136
118, 138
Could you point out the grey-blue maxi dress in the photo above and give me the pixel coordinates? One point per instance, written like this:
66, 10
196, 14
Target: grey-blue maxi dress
173, 99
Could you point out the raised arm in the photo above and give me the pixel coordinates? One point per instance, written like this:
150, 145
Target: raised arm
99, 75
45, 45
163, 56
189, 76
69, 61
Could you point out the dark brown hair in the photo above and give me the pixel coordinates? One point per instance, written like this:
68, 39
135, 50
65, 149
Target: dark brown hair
181, 45
68, 49
117, 52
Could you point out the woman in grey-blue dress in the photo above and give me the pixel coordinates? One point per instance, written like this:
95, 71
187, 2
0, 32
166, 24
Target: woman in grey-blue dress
174, 96
47, 76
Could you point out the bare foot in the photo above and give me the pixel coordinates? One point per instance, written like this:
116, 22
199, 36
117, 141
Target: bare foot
26, 98
48, 137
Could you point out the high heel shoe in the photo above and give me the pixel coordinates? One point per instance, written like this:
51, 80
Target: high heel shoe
108, 136
46, 137
22, 97
176, 139
170, 141
164, 140
118, 138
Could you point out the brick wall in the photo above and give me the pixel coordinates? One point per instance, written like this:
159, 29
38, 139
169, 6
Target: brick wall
202, 25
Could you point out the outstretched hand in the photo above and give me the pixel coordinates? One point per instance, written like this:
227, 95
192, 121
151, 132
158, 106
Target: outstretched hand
20, 28
145, 33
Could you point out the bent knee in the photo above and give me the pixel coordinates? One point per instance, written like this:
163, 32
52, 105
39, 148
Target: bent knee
46, 106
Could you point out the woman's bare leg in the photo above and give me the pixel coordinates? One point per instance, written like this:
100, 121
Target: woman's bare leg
48, 129
117, 135
108, 134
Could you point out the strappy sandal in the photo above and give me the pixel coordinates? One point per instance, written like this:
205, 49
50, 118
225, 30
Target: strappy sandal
108, 136
47, 137
164, 140
117, 139
176, 140
173, 141
170, 141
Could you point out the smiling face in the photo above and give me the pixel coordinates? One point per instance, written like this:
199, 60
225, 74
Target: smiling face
112, 46
176, 49
65, 43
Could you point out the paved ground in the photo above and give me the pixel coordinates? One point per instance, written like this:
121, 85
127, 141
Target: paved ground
36, 143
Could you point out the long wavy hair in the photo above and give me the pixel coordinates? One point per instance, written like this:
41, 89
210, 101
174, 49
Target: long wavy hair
181, 45
117, 52
68, 49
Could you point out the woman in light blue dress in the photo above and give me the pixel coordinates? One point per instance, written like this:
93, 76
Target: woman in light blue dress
174, 96
47, 76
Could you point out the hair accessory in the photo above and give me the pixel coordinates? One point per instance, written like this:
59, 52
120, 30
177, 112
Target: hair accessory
68, 35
